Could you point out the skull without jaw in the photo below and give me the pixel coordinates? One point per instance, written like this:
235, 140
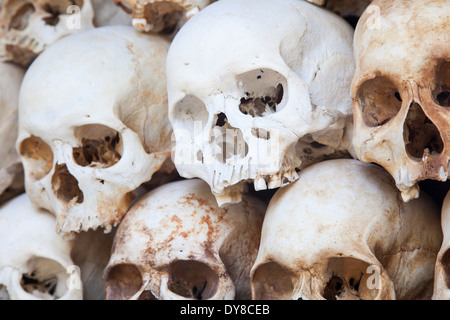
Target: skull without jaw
176, 243
268, 95
93, 124
342, 232
401, 91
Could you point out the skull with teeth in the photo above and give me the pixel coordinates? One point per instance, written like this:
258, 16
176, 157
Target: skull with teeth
163, 16
93, 125
401, 91
343, 232
176, 243
28, 27
267, 96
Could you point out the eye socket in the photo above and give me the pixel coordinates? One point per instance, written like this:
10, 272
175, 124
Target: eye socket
122, 282
192, 279
263, 91
45, 278
37, 157
441, 93
350, 280
190, 113
56, 8
100, 146
379, 100
19, 20
271, 281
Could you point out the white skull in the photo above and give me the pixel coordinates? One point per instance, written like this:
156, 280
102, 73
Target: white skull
27, 27
165, 16
93, 124
268, 94
11, 171
442, 271
401, 91
343, 232
35, 262
176, 243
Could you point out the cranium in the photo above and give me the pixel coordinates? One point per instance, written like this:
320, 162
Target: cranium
343, 232
176, 243
27, 27
35, 262
401, 89
11, 171
108, 13
93, 124
164, 16
268, 94
442, 271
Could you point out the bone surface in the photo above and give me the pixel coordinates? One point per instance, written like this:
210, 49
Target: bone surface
28, 27
11, 171
442, 271
88, 140
35, 262
176, 243
343, 232
401, 97
161, 16
268, 95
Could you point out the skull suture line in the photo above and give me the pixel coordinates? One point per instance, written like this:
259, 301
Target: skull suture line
93, 124
401, 91
258, 89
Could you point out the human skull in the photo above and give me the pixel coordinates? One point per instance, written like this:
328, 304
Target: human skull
343, 232
27, 27
35, 262
164, 16
401, 89
176, 243
11, 171
93, 124
268, 94
442, 271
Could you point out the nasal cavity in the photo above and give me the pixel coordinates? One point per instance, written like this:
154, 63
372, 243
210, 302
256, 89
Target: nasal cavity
420, 134
66, 186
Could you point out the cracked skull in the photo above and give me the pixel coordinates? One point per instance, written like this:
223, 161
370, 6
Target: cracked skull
35, 262
27, 27
268, 95
176, 243
93, 124
165, 16
401, 91
343, 232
